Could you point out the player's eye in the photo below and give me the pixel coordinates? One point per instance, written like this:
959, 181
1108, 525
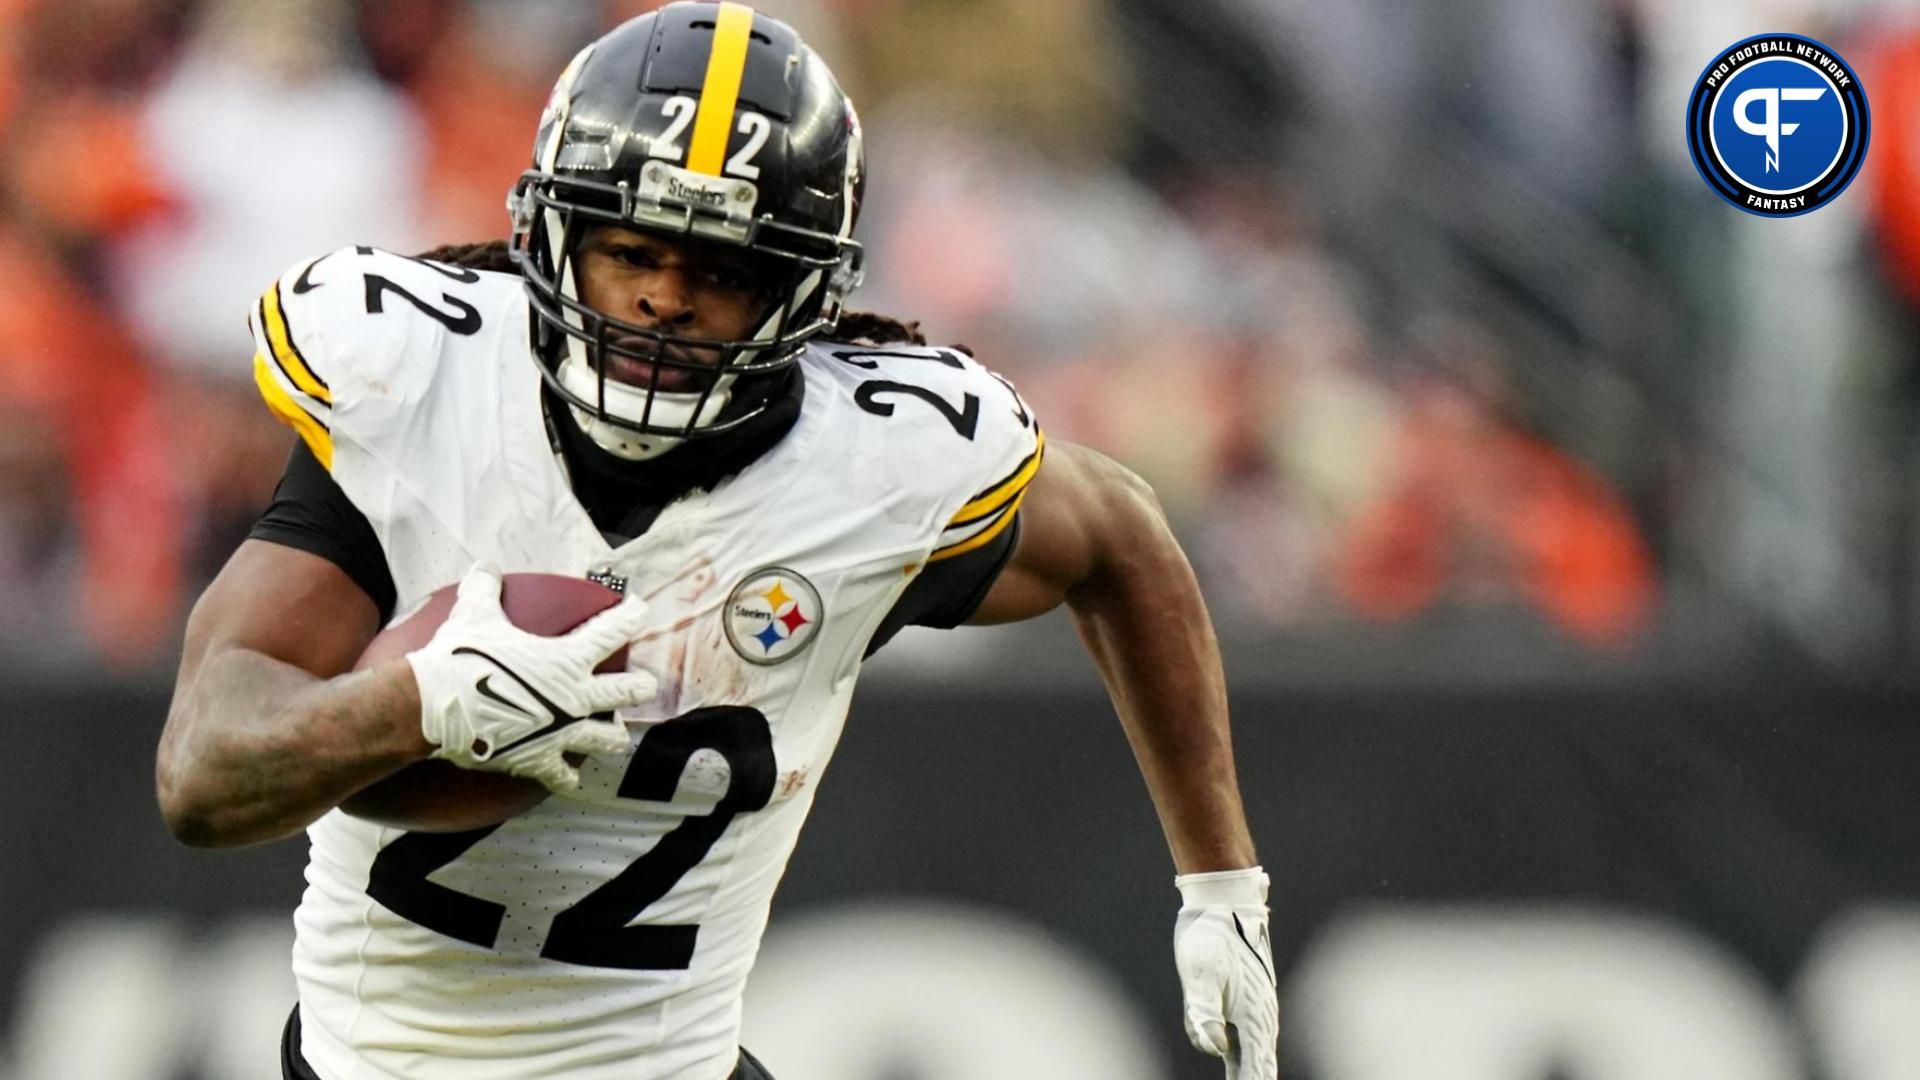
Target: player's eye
741, 276
638, 258
730, 278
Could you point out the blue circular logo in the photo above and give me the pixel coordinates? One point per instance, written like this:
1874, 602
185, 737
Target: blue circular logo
1777, 125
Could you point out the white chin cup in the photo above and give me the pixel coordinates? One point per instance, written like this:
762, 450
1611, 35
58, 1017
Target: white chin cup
630, 403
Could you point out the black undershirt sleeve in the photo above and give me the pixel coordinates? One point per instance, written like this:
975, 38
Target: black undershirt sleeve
310, 512
948, 592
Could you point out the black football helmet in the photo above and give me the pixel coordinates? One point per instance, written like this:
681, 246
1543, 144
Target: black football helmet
704, 121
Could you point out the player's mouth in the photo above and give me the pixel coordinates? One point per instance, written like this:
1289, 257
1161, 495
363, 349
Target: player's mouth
634, 371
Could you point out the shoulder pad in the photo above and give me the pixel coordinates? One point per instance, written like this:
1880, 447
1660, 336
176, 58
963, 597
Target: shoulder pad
322, 332
982, 445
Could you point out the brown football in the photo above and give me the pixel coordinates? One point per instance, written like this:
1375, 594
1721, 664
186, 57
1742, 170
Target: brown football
438, 796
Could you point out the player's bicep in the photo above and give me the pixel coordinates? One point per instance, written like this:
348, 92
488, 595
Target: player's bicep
1082, 515
283, 603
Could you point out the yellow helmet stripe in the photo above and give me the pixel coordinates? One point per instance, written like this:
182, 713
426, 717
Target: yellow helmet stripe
318, 438
286, 352
726, 64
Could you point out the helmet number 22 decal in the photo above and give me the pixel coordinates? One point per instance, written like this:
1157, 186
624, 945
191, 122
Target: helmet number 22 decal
756, 128
679, 111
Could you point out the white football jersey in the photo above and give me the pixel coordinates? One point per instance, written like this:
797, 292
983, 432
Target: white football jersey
607, 932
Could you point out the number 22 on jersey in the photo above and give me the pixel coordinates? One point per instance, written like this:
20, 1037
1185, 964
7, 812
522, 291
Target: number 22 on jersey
595, 930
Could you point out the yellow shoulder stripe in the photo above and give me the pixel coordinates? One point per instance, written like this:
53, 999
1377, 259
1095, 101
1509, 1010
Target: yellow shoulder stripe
285, 352
987, 502
318, 438
726, 65
985, 535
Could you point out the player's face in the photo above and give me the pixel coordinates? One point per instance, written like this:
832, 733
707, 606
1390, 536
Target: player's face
686, 287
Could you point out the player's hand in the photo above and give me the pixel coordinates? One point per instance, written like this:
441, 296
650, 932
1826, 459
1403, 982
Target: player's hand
495, 697
1225, 957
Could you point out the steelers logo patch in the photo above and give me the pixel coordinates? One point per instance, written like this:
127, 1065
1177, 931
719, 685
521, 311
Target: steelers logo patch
772, 615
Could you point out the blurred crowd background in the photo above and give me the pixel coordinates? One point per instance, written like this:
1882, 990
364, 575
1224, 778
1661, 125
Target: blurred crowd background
1416, 316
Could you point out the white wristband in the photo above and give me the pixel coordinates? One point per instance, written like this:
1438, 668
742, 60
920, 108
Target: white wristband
1223, 888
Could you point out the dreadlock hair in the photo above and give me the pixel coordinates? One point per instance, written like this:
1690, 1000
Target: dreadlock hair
486, 255
861, 327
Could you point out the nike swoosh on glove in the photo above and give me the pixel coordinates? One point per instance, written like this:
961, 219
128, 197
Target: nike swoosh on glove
496, 698
1221, 946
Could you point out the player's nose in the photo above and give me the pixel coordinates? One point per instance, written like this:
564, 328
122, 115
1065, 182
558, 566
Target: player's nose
665, 300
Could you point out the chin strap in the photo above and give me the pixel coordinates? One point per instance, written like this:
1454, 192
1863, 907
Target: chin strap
623, 402
598, 475
623, 443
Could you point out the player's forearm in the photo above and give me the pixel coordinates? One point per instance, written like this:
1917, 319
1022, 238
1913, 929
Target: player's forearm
256, 750
1144, 622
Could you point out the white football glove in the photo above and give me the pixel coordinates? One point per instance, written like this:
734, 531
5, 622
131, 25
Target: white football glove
1225, 957
497, 698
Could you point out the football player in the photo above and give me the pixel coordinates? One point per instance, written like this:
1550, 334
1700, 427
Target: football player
659, 394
